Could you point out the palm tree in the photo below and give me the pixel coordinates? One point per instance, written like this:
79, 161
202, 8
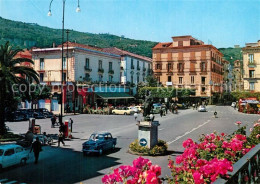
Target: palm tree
11, 74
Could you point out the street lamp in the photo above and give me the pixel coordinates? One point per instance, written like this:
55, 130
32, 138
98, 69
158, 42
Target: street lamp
62, 45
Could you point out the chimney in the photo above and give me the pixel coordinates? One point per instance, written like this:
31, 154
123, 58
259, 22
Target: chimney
53, 45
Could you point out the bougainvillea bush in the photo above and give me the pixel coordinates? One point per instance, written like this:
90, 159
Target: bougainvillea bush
201, 162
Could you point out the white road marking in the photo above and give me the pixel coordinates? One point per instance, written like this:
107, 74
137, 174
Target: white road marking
161, 128
186, 133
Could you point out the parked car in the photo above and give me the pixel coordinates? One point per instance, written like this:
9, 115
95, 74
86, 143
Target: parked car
99, 142
136, 110
14, 116
123, 111
24, 113
46, 112
38, 114
12, 154
202, 108
156, 110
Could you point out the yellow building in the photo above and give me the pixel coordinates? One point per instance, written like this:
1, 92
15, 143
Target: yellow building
251, 66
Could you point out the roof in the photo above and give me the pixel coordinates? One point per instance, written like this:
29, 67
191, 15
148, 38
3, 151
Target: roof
8, 146
113, 95
117, 51
72, 44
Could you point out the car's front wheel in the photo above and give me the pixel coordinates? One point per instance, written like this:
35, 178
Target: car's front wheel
125, 113
23, 161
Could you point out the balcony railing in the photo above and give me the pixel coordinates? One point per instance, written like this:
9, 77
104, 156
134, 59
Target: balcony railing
251, 64
144, 69
111, 71
246, 167
87, 69
132, 67
101, 70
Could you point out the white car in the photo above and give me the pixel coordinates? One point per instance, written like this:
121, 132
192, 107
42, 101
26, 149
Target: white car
12, 154
202, 108
123, 111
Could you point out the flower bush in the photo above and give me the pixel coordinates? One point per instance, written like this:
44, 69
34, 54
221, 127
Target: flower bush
201, 162
142, 171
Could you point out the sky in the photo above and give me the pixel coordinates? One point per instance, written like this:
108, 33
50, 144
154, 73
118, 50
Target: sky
224, 23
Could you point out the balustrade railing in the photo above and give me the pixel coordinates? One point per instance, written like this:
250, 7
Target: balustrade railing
246, 170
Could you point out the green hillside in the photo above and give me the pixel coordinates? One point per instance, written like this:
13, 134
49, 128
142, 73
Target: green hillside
26, 35
231, 54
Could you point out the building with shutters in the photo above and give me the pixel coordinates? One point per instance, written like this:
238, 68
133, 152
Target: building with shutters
189, 63
251, 66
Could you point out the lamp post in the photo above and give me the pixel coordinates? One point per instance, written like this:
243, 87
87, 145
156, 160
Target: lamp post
62, 48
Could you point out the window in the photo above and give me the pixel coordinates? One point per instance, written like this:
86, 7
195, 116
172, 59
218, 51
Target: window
9, 152
251, 58
180, 67
87, 63
64, 63
149, 66
203, 80
41, 63
169, 78
192, 79
137, 80
132, 64
180, 80
110, 66
18, 150
203, 89
203, 67
64, 76
143, 65
137, 64
41, 77
87, 77
100, 78
132, 79
110, 78
251, 73
100, 64
158, 79
158, 66
251, 86
169, 66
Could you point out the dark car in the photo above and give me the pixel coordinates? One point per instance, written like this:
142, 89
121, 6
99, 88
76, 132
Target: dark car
14, 116
46, 113
99, 142
38, 114
25, 114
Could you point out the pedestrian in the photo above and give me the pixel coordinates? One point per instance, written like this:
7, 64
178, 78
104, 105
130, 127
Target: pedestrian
60, 119
60, 139
71, 123
193, 105
53, 121
37, 148
135, 115
161, 112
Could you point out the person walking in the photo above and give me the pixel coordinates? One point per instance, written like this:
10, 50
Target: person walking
60, 139
71, 124
60, 119
37, 148
53, 121
161, 111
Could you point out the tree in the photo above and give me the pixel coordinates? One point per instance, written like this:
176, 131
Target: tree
12, 74
151, 81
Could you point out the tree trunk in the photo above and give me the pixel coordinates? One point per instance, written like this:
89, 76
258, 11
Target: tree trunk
2, 108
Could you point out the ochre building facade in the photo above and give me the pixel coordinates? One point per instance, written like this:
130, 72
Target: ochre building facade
188, 63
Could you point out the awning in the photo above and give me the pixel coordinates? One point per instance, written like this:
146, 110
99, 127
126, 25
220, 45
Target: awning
113, 95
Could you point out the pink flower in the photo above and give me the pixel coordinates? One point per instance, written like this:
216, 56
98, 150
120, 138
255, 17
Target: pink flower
257, 124
188, 143
151, 178
198, 177
257, 136
251, 129
238, 123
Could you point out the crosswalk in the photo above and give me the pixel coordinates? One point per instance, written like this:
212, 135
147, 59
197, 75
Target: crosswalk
7, 181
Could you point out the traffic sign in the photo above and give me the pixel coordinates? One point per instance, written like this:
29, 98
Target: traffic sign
143, 142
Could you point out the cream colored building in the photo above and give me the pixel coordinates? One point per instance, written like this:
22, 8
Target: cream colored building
251, 67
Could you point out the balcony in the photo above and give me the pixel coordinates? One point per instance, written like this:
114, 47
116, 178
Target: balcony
101, 70
144, 69
203, 93
193, 72
87, 69
111, 71
180, 72
132, 67
138, 68
251, 64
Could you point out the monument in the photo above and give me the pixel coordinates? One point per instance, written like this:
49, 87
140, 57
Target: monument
148, 128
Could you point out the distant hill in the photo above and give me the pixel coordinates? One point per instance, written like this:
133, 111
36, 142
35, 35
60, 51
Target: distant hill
27, 35
231, 54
